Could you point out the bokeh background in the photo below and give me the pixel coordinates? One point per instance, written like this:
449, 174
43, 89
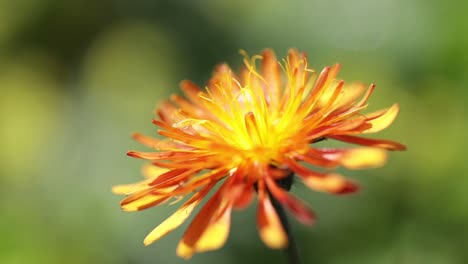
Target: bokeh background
77, 77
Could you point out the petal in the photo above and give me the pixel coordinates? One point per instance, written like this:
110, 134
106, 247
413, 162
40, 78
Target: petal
192, 91
127, 189
172, 177
167, 112
201, 223
222, 78
176, 219
366, 96
325, 182
382, 119
151, 155
316, 92
201, 180
377, 143
271, 73
317, 160
352, 158
245, 196
351, 93
269, 225
145, 199
331, 183
360, 158
217, 232
189, 108
335, 94
153, 142
333, 129
294, 205
328, 93
239, 191
151, 171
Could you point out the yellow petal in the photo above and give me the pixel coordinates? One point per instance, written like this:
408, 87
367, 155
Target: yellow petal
332, 183
171, 223
351, 93
146, 198
383, 119
176, 219
216, 234
144, 202
127, 189
360, 158
269, 225
152, 172
201, 223
185, 251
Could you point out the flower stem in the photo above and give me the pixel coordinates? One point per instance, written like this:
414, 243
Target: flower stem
292, 252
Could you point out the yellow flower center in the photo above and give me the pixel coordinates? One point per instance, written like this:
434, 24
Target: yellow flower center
252, 121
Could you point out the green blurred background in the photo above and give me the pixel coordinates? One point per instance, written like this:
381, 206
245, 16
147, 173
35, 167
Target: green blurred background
77, 77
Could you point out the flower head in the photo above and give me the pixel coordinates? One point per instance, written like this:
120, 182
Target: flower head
253, 132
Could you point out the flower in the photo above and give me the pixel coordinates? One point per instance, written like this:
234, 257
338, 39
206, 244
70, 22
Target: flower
252, 132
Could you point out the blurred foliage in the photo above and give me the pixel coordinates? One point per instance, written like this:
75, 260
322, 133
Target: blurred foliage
77, 77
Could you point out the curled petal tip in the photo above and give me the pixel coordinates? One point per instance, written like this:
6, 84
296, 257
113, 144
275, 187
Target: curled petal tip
400, 147
326, 70
349, 188
132, 154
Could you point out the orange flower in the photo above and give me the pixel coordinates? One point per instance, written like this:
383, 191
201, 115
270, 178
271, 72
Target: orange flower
253, 132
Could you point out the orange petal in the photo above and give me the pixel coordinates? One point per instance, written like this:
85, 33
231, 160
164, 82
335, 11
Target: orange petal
167, 112
316, 92
170, 176
272, 75
150, 155
192, 91
216, 234
333, 129
377, 143
366, 96
334, 94
382, 119
328, 93
245, 197
145, 199
201, 222
153, 142
331, 183
269, 225
201, 180
294, 205
239, 191
187, 107
317, 161
176, 219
